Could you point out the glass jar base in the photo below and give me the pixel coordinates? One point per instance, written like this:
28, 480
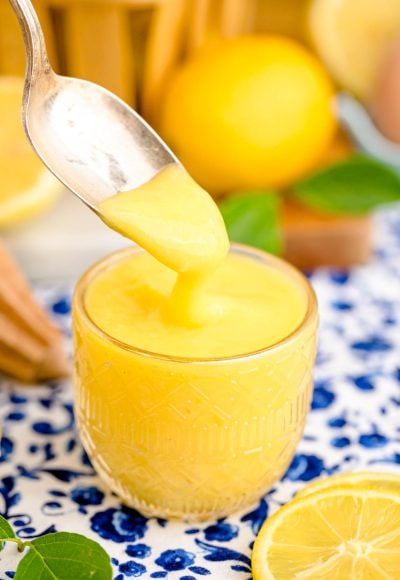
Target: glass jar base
220, 508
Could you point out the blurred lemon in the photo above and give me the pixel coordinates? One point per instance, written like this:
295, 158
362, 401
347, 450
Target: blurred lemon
26, 186
251, 112
351, 37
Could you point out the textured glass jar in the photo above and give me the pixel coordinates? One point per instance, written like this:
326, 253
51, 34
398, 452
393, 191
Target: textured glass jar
193, 439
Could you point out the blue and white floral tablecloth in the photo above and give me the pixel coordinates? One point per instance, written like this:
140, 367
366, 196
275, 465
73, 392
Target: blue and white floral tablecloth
47, 483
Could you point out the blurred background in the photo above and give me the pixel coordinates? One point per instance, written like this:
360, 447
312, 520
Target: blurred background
288, 113
245, 93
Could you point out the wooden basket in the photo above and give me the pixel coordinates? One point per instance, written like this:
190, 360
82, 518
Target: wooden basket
131, 46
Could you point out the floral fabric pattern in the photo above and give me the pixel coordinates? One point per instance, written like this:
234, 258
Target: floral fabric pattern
47, 483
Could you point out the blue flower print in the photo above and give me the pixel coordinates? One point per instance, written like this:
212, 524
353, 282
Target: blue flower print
393, 458
373, 440
172, 560
257, 517
322, 397
342, 305
221, 532
138, 550
200, 570
62, 306
48, 427
336, 422
221, 554
364, 383
132, 569
340, 277
374, 344
10, 497
119, 525
84, 496
340, 442
6, 448
17, 399
15, 416
305, 467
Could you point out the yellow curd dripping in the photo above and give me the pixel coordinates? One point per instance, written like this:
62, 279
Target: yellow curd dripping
178, 223
185, 435
191, 299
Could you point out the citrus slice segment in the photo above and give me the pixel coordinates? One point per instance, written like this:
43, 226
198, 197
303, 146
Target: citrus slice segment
26, 186
351, 37
336, 534
370, 479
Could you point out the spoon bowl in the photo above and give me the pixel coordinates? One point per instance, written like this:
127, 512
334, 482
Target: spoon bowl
92, 141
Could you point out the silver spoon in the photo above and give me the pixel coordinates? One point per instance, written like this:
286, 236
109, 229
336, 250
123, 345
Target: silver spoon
89, 138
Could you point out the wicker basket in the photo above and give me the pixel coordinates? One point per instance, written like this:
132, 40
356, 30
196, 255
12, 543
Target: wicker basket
131, 46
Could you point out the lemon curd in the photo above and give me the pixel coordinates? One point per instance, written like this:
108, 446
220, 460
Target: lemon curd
177, 222
193, 365
128, 302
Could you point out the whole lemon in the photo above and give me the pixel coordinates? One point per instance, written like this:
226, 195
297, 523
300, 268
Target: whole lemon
251, 112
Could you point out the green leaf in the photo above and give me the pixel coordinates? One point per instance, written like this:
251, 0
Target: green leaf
6, 532
355, 186
253, 218
64, 556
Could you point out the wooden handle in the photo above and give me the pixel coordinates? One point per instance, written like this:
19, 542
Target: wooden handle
98, 47
163, 47
237, 17
30, 345
12, 51
215, 19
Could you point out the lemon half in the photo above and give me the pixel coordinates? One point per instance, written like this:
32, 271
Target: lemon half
371, 479
26, 186
338, 533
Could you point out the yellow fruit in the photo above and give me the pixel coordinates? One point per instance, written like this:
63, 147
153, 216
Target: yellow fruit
337, 534
351, 37
370, 479
26, 186
251, 112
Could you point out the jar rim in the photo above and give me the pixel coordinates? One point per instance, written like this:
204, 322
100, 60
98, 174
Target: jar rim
310, 315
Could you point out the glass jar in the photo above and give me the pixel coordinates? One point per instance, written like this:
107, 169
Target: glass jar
188, 438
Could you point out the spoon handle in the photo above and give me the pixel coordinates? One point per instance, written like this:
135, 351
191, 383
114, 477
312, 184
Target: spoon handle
37, 62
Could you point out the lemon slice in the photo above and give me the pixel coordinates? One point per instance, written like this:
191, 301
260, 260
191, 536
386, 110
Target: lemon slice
370, 479
340, 534
26, 186
351, 37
